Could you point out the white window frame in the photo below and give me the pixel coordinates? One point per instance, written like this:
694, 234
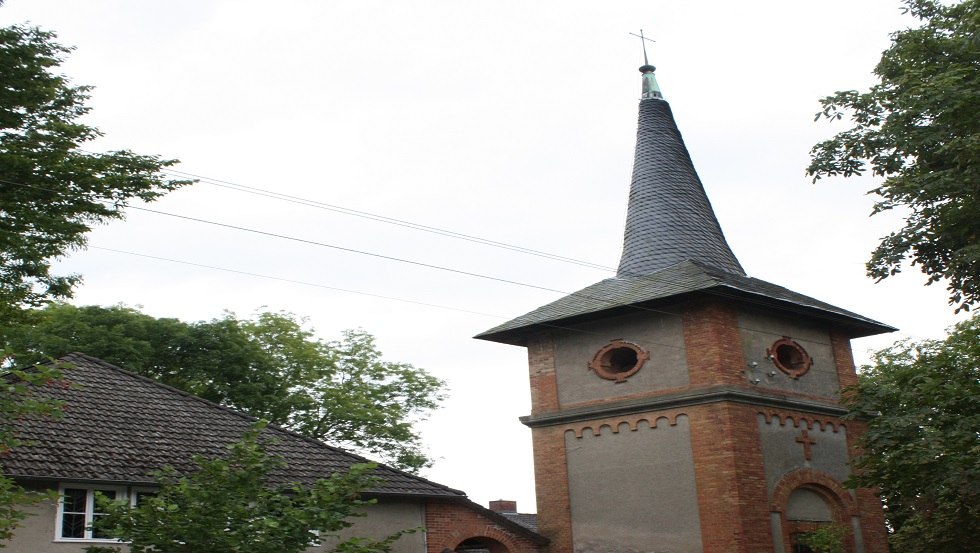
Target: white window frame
90, 489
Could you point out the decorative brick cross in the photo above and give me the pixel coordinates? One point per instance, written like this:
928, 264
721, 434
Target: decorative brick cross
807, 442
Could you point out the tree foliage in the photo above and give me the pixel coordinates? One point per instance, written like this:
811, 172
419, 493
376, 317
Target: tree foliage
918, 127
826, 539
51, 191
922, 448
269, 366
233, 505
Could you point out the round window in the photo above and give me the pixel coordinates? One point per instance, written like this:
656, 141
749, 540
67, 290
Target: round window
618, 360
789, 357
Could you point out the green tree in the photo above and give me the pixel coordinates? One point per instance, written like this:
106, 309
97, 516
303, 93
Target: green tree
922, 448
51, 191
826, 539
269, 366
918, 128
232, 505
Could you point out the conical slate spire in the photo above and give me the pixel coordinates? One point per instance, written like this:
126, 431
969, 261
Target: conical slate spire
669, 218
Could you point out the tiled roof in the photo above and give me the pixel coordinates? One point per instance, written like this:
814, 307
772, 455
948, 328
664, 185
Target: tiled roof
625, 294
669, 218
527, 520
119, 427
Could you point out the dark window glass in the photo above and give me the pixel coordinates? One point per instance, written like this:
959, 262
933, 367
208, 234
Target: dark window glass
73, 525
75, 500
73, 513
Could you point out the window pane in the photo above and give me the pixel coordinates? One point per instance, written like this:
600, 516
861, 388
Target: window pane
73, 525
74, 500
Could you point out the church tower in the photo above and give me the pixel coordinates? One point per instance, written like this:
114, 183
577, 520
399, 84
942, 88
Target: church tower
682, 406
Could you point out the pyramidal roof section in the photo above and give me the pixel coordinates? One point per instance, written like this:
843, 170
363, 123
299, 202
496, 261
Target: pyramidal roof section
669, 218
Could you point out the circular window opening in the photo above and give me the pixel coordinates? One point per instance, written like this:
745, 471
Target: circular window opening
790, 357
618, 360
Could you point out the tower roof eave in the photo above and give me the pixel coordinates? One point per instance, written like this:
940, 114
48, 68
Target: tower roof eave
685, 279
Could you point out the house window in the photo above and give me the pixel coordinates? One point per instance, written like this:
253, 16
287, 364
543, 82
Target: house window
77, 511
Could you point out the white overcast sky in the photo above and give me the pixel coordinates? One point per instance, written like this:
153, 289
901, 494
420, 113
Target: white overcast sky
509, 120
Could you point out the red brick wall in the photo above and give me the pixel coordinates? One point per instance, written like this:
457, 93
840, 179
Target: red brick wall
731, 482
714, 346
868, 503
550, 467
869, 507
843, 358
541, 371
449, 524
551, 487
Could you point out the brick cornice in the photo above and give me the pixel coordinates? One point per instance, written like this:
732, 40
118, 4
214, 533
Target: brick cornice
686, 398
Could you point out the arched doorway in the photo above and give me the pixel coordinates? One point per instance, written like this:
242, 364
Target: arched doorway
481, 545
807, 500
806, 510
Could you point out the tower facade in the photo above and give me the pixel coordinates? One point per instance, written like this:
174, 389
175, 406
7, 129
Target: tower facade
682, 406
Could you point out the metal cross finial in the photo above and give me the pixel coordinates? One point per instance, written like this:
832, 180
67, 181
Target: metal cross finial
643, 40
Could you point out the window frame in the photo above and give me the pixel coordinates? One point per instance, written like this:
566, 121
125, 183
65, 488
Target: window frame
122, 492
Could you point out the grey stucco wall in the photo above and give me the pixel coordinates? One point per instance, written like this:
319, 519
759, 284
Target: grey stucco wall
38, 532
760, 330
661, 335
782, 454
634, 491
386, 518
804, 504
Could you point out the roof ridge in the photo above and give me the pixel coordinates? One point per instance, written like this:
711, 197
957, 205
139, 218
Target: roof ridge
271, 427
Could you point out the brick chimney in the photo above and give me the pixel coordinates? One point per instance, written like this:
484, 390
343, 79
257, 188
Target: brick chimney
503, 506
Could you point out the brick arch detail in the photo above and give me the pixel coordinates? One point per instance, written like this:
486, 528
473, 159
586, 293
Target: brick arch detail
841, 503
631, 424
475, 530
448, 524
805, 420
818, 481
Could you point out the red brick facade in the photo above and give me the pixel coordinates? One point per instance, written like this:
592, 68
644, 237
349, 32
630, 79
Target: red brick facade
714, 347
450, 524
550, 467
734, 504
731, 483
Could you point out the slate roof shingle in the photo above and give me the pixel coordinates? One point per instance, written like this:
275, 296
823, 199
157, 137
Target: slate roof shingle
119, 427
669, 218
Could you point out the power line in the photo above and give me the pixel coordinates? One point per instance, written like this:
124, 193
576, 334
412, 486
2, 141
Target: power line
294, 281
371, 254
345, 249
358, 292
384, 219
579, 294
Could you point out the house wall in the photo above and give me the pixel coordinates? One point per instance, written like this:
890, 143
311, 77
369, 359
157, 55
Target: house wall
37, 535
